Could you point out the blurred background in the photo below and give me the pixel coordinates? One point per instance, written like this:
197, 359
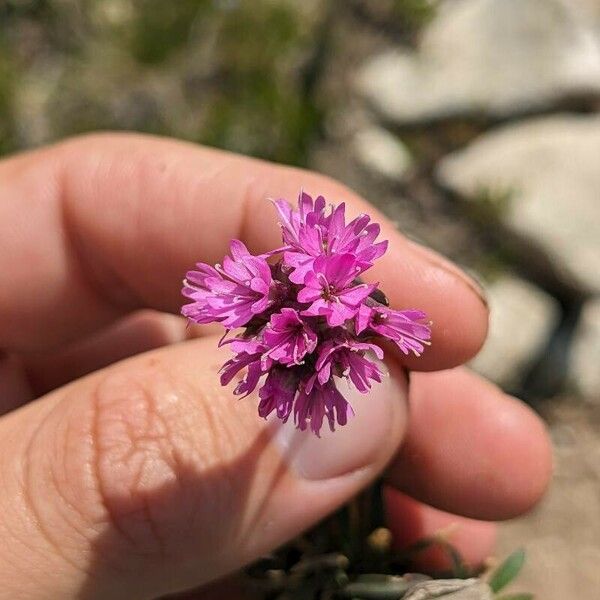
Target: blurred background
474, 124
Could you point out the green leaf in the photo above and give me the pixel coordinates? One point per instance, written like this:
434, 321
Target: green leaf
523, 596
376, 587
507, 571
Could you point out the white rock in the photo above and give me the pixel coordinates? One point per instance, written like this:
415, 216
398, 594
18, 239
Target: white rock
381, 152
521, 319
552, 168
493, 57
585, 361
451, 589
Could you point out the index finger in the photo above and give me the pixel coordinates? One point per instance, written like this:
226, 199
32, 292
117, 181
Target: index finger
100, 225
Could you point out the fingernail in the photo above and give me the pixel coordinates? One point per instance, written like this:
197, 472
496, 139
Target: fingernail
379, 418
471, 280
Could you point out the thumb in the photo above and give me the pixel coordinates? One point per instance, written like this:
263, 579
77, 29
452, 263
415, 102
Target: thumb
148, 477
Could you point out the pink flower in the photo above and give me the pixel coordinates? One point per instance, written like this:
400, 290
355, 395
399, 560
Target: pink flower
331, 289
346, 358
288, 337
250, 354
278, 393
310, 233
315, 402
294, 222
406, 328
308, 321
230, 294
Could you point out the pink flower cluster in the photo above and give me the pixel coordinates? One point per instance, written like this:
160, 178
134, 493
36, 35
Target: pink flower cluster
308, 319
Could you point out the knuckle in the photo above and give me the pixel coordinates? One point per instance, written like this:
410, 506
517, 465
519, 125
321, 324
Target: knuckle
142, 453
140, 464
161, 456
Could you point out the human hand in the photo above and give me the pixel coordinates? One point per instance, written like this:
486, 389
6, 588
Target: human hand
145, 477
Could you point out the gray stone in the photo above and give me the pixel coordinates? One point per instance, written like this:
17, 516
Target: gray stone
521, 319
550, 168
450, 589
587, 11
382, 153
488, 57
585, 363
562, 535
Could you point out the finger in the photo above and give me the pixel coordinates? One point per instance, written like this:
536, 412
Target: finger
110, 223
136, 333
235, 587
148, 477
471, 449
411, 522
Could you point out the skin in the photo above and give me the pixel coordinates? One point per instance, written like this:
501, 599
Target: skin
126, 470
